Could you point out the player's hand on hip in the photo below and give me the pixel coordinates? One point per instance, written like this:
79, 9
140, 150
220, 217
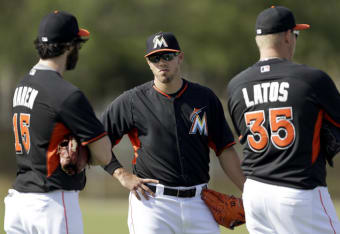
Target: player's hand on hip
134, 183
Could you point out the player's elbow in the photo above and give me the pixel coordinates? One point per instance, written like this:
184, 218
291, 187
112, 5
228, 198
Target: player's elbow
101, 151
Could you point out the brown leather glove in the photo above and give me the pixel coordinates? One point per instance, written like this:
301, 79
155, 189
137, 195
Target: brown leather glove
227, 210
73, 156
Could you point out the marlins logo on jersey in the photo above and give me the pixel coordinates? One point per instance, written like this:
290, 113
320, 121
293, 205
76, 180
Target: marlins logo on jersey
198, 123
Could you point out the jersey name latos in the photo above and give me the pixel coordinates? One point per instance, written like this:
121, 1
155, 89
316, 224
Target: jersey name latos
277, 108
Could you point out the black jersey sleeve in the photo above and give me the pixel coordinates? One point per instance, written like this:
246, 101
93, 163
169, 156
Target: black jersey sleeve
117, 118
327, 95
230, 110
77, 114
235, 109
220, 135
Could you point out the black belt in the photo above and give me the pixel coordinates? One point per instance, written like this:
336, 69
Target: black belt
176, 192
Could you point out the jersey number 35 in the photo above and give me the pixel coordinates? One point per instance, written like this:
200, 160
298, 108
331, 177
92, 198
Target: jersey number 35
282, 130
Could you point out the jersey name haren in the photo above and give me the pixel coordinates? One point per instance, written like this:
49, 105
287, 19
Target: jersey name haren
24, 96
267, 92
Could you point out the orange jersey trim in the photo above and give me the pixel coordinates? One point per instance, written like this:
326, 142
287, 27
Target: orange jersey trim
167, 95
212, 145
161, 92
117, 141
94, 139
52, 159
183, 90
328, 118
225, 147
316, 137
133, 135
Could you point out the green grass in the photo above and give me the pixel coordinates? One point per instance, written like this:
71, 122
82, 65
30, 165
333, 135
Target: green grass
104, 217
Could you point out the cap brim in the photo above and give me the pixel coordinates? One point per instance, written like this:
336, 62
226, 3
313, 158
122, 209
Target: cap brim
301, 27
160, 50
83, 33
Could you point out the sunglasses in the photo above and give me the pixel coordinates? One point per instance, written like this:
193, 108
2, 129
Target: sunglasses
296, 33
155, 58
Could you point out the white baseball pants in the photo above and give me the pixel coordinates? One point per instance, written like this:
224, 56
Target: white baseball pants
167, 214
282, 210
56, 212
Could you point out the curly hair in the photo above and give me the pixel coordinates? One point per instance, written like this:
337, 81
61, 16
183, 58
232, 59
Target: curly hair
51, 50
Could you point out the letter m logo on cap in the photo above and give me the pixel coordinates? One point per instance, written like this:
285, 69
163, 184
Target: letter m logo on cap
159, 41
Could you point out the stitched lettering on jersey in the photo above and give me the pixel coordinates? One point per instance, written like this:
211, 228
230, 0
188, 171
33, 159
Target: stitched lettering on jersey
266, 92
199, 122
24, 96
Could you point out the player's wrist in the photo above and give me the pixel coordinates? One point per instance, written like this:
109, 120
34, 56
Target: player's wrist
113, 165
119, 173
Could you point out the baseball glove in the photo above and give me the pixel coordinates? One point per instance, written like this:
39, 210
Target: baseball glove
227, 210
330, 141
73, 156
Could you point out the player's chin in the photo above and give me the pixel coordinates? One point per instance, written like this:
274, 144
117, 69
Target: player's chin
165, 78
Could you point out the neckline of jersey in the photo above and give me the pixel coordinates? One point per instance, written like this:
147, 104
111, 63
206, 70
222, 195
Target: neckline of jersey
40, 66
271, 60
175, 95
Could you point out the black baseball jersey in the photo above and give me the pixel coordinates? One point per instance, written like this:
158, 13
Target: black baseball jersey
277, 108
45, 109
170, 134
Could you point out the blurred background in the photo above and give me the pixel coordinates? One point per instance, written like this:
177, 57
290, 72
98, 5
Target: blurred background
217, 37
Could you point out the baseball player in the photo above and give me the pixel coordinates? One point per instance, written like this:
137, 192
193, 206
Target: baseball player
277, 108
44, 199
171, 123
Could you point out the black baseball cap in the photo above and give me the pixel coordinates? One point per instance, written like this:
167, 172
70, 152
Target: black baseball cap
162, 41
275, 20
60, 27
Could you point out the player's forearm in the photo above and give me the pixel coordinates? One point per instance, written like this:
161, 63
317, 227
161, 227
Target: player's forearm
231, 165
101, 151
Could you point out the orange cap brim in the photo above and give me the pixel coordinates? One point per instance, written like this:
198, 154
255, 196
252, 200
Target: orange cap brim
160, 50
301, 27
83, 33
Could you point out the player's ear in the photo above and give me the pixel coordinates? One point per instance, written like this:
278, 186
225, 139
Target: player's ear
69, 46
147, 60
149, 63
287, 36
180, 56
